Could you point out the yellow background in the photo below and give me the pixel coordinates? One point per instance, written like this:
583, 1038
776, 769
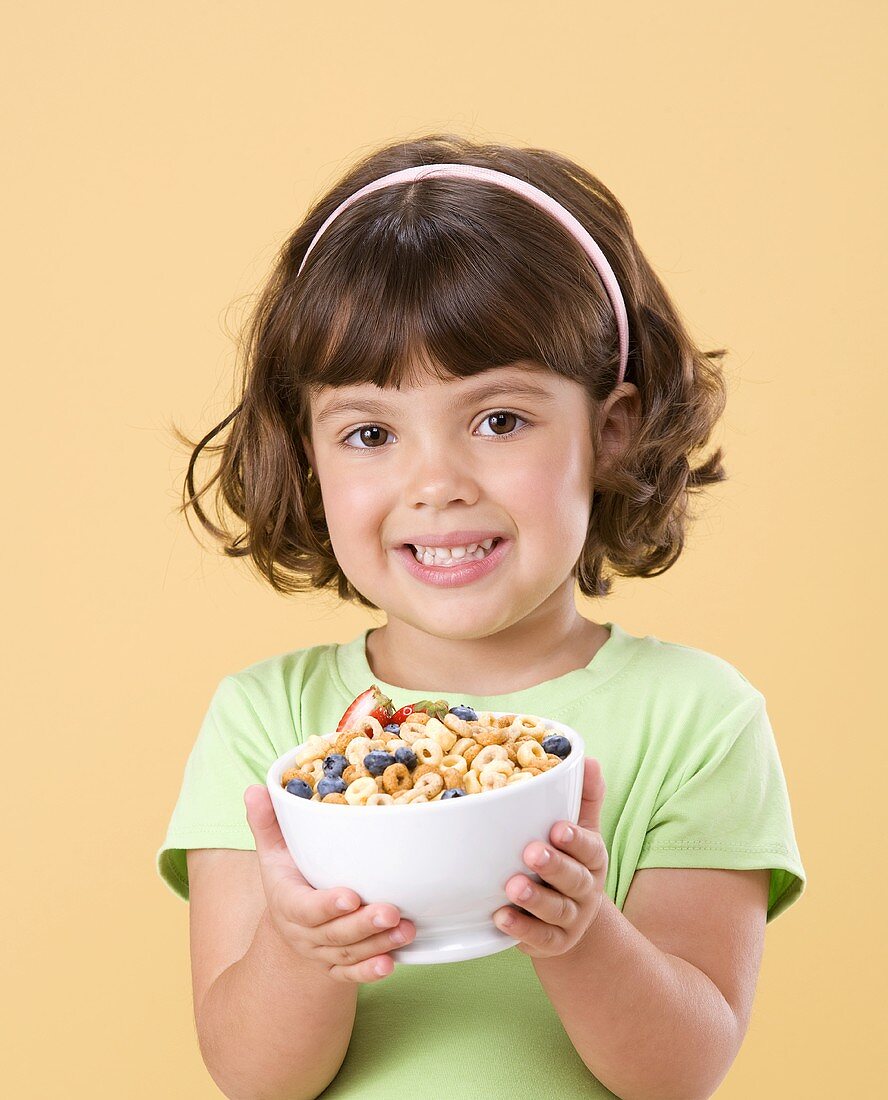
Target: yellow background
156, 155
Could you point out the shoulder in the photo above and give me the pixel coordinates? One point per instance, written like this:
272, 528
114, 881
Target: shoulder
270, 693
292, 667
687, 671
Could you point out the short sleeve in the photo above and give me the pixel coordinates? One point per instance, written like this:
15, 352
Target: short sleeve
232, 751
731, 809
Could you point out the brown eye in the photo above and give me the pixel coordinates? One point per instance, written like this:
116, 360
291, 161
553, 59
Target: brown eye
370, 436
502, 422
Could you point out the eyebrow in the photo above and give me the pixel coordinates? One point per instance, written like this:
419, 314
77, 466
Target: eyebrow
490, 389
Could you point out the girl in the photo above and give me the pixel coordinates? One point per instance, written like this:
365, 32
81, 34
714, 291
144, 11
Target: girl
463, 353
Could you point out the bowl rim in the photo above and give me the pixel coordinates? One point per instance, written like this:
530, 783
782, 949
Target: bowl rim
577, 750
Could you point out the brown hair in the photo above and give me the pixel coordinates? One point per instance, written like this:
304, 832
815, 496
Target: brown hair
458, 276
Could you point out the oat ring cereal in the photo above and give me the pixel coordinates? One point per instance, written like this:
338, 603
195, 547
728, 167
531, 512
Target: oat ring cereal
380, 798
492, 736
462, 744
471, 783
471, 752
518, 775
497, 722
428, 751
315, 748
491, 780
357, 750
354, 771
429, 784
487, 754
411, 730
370, 727
455, 763
458, 725
529, 752
411, 796
504, 767
528, 725
437, 731
360, 790
396, 777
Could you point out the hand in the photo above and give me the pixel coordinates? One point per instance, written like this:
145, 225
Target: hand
565, 909
349, 947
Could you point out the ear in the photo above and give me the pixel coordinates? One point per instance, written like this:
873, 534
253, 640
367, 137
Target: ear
309, 450
618, 419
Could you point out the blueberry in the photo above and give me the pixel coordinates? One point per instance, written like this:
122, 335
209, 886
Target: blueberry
334, 765
455, 792
405, 756
331, 785
557, 744
464, 712
300, 788
392, 727
377, 761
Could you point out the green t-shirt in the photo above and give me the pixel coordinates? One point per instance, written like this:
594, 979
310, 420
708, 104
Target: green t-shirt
693, 777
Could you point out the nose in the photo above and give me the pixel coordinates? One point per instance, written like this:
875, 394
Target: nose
438, 472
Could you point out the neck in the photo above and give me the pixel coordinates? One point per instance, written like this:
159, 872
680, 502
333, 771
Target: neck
548, 643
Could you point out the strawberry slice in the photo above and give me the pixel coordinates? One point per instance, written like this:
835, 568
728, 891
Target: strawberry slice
369, 704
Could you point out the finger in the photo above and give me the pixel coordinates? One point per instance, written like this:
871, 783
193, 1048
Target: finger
586, 846
293, 895
370, 970
359, 950
357, 926
559, 870
542, 938
541, 901
275, 862
593, 795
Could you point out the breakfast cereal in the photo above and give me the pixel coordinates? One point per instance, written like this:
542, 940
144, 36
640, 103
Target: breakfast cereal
424, 752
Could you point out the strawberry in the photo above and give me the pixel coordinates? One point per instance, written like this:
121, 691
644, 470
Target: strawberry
401, 715
369, 704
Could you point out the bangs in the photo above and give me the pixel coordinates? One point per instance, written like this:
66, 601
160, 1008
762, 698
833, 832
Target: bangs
447, 281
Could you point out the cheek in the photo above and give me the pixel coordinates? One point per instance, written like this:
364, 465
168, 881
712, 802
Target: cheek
553, 488
355, 508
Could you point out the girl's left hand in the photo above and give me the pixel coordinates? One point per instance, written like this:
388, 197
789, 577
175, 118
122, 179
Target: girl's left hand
565, 909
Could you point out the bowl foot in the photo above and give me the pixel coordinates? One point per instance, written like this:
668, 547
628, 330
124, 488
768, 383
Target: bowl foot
454, 946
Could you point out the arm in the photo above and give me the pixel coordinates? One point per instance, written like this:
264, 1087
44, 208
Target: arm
656, 999
269, 1024
648, 1024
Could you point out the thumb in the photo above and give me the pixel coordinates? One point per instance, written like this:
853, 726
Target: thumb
593, 795
275, 861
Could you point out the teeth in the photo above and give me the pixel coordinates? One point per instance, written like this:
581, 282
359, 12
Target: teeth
449, 556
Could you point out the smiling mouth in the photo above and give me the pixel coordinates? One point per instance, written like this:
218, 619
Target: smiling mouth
449, 563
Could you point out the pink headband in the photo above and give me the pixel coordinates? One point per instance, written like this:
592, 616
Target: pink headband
534, 195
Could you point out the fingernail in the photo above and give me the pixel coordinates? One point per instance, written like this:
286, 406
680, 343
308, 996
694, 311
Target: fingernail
381, 920
381, 968
343, 904
397, 936
567, 835
525, 893
542, 857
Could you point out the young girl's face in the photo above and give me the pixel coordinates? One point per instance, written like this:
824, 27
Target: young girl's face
441, 457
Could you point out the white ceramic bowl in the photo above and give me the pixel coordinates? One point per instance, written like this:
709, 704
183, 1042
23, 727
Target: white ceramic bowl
443, 864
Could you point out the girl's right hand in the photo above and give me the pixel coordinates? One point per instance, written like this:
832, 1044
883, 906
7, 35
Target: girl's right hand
349, 947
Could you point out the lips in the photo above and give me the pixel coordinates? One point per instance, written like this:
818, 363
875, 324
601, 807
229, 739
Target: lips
464, 572
487, 552
448, 539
